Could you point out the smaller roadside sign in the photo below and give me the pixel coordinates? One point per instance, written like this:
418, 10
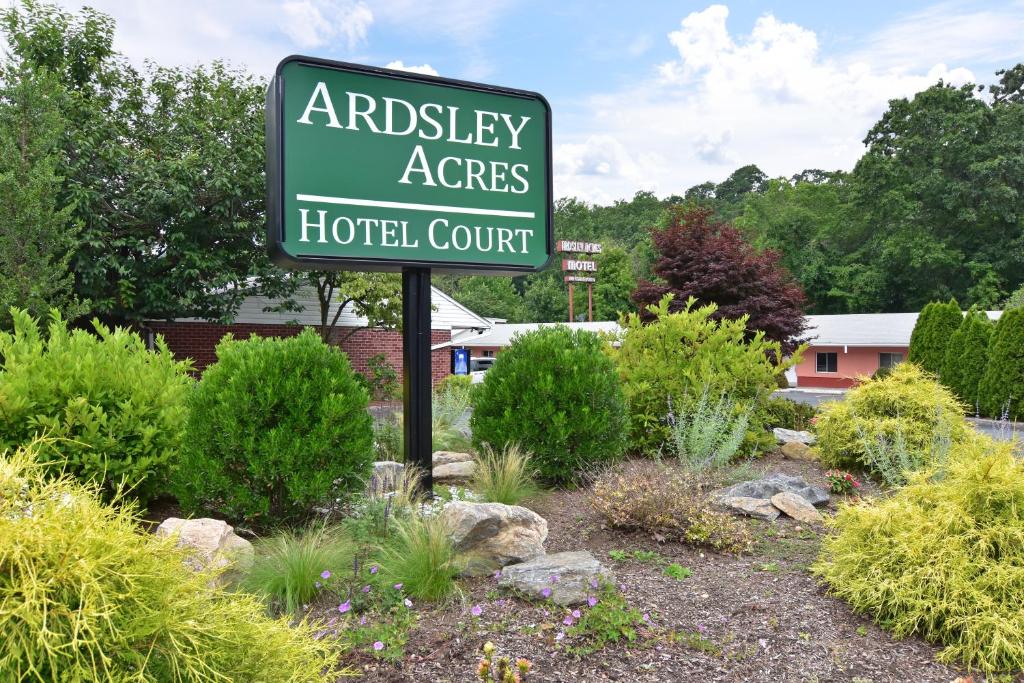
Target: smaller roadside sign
579, 278
585, 266
575, 247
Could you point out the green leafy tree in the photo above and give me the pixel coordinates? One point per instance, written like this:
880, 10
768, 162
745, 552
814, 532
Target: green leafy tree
1002, 388
37, 235
374, 296
1015, 300
615, 283
967, 357
547, 298
931, 336
492, 297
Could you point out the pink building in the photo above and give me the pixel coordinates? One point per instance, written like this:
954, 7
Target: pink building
842, 348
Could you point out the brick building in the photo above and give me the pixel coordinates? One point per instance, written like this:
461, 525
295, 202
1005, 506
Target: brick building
197, 339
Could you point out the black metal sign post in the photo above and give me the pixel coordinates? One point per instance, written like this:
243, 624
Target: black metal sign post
416, 394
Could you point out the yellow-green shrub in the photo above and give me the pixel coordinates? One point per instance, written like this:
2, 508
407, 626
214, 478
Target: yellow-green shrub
907, 404
943, 558
86, 596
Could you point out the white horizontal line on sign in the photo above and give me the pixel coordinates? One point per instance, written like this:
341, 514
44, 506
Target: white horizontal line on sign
414, 207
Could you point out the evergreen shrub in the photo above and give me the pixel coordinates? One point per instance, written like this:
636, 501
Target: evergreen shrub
967, 357
907, 406
942, 558
1001, 389
787, 414
87, 596
274, 426
932, 332
679, 356
113, 409
555, 393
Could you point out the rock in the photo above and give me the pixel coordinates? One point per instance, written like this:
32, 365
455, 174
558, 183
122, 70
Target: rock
794, 450
776, 483
448, 457
214, 544
492, 535
761, 508
454, 471
796, 507
385, 477
569, 576
784, 436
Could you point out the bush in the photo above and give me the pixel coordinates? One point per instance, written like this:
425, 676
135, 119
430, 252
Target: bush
941, 558
555, 393
290, 568
455, 383
666, 502
932, 332
114, 410
787, 414
680, 355
273, 426
1002, 387
710, 433
503, 476
908, 405
382, 382
87, 597
967, 357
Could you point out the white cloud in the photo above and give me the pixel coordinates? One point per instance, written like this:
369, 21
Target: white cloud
469, 22
768, 97
425, 69
314, 24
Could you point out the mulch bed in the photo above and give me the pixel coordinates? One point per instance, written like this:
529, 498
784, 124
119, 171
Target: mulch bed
762, 616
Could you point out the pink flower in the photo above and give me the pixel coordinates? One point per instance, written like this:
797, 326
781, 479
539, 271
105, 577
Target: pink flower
378, 646
546, 592
374, 569
476, 610
575, 614
366, 588
591, 601
398, 586
345, 606
647, 617
325, 574
568, 620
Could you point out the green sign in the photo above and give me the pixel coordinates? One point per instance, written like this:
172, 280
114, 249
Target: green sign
373, 169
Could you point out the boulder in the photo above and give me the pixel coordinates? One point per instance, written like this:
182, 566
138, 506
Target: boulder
784, 436
794, 450
385, 477
776, 483
761, 508
570, 577
453, 472
797, 508
449, 457
213, 544
492, 535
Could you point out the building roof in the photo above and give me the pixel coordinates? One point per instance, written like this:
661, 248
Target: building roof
502, 334
865, 329
447, 313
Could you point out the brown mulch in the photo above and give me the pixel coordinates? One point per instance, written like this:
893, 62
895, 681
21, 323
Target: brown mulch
761, 615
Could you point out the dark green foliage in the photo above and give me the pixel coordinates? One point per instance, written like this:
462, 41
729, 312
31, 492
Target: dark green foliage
115, 410
932, 332
273, 424
781, 412
556, 394
1001, 389
967, 356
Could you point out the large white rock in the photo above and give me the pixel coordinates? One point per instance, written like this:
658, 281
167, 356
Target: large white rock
797, 508
213, 543
790, 435
454, 472
448, 457
570, 577
492, 535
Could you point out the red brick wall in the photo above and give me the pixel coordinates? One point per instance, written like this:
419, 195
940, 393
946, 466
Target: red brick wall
198, 341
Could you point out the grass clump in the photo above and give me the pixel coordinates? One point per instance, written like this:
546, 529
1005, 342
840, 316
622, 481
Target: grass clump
668, 503
291, 568
87, 597
942, 558
419, 555
503, 476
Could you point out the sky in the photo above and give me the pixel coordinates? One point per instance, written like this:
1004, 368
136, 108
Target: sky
646, 95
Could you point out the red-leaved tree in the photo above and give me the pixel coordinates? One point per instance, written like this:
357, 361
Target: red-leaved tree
713, 263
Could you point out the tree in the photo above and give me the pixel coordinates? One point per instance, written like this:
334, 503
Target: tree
1002, 388
712, 263
615, 283
932, 332
491, 297
547, 298
1015, 300
37, 236
374, 296
967, 356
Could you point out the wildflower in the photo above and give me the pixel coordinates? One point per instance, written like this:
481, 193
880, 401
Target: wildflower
568, 620
559, 636
488, 648
546, 592
497, 574
482, 668
594, 584
554, 578
325, 574
366, 588
408, 603
524, 665
575, 614
378, 646
500, 602
374, 569
591, 601
647, 617
345, 606
622, 588
398, 586
476, 610
316, 584
362, 620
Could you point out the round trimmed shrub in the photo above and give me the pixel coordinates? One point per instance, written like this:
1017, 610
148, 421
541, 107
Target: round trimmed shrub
555, 393
942, 558
114, 410
907, 407
274, 426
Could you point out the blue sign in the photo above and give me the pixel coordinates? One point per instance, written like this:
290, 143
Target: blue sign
460, 361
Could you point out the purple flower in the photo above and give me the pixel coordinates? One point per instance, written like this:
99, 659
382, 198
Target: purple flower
594, 584
499, 602
366, 588
362, 620
547, 613
647, 617
575, 614
559, 636
497, 574
378, 646
568, 620
554, 578
622, 587
398, 586
546, 592
408, 603
373, 569
345, 606
325, 574
591, 601
476, 611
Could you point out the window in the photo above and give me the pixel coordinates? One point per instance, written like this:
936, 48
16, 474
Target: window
828, 362
889, 360
488, 354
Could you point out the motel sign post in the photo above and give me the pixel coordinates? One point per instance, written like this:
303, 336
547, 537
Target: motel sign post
373, 169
